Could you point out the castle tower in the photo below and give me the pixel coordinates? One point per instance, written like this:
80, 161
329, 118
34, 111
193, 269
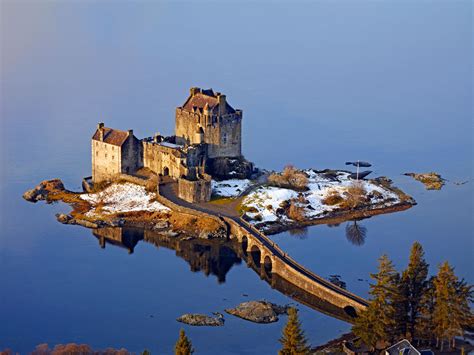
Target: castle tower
206, 117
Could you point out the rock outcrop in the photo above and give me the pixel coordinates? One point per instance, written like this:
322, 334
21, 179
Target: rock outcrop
432, 181
258, 311
202, 320
43, 189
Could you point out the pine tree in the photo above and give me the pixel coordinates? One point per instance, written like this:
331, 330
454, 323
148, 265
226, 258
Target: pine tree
451, 313
401, 307
293, 338
424, 328
412, 287
462, 309
377, 322
183, 345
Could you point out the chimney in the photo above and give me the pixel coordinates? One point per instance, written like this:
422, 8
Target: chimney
222, 104
100, 128
130, 132
194, 91
157, 137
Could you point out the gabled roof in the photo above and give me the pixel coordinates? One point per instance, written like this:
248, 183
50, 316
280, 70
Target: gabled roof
199, 101
202, 98
402, 347
112, 136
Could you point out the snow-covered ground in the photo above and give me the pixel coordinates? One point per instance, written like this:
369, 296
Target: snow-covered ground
125, 197
230, 188
265, 200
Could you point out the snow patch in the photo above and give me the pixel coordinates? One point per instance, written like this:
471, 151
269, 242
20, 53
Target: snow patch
320, 186
230, 188
125, 197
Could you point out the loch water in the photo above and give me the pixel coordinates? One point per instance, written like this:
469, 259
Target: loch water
319, 83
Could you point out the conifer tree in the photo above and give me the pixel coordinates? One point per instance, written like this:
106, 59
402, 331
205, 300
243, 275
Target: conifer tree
464, 298
377, 322
293, 339
451, 309
401, 307
424, 328
412, 287
183, 345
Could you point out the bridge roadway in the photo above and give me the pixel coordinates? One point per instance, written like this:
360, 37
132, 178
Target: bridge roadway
270, 252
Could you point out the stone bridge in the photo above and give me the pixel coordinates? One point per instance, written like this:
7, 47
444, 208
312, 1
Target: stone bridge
267, 256
271, 259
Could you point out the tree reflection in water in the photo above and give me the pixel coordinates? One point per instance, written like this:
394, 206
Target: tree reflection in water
356, 233
300, 233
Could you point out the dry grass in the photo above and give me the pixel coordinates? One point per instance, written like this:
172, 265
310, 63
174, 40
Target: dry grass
333, 198
355, 196
190, 223
296, 211
291, 178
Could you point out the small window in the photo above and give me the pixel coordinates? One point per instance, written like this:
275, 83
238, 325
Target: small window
113, 157
97, 154
106, 155
224, 138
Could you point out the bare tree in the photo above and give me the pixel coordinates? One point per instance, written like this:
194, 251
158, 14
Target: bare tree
355, 233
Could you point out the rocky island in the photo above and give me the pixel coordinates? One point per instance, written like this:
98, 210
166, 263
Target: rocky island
197, 183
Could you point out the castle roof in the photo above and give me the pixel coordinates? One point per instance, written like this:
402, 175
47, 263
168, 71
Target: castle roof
204, 97
111, 136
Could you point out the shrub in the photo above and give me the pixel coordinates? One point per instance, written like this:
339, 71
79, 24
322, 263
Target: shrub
355, 196
290, 177
333, 198
296, 211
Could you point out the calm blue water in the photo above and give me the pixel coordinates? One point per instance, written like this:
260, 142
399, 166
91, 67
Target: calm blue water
319, 82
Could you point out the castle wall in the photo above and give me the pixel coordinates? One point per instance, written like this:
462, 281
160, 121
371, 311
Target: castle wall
109, 160
131, 154
106, 161
223, 134
225, 137
195, 191
186, 126
164, 160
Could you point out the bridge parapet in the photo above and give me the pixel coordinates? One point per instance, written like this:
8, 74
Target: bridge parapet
288, 268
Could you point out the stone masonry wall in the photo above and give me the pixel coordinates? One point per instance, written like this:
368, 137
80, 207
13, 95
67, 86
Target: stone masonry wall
106, 161
194, 191
131, 155
163, 160
222, 133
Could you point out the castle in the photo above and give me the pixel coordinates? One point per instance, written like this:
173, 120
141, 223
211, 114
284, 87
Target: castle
207, 144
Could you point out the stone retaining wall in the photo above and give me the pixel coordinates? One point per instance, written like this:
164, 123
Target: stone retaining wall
195, 191
181, 209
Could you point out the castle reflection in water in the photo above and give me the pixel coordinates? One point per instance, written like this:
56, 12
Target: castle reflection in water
214, 257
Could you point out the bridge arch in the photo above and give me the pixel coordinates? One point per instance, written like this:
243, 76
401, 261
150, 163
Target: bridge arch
256, 255
267, 265
350, 311
245, 244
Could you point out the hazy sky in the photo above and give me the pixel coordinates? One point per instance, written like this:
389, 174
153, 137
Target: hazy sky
392, 77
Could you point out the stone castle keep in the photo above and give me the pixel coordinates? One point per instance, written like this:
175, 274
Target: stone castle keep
207, 143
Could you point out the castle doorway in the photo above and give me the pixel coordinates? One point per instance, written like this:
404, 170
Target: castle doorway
166, 171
